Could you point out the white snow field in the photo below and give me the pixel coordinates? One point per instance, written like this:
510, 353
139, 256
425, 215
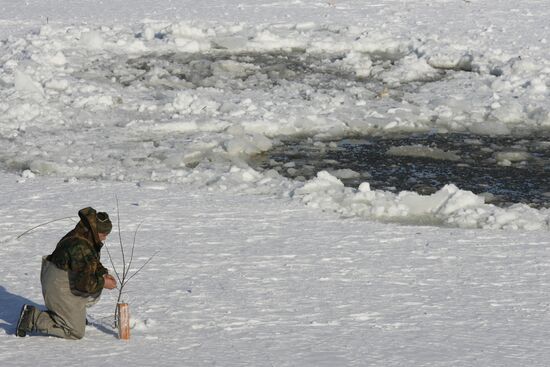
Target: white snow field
163, 104
245, 280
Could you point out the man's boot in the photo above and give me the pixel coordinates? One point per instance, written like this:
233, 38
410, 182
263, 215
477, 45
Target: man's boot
25, 323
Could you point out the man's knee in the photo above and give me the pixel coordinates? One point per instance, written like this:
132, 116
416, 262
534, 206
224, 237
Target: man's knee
71, 332
75, 334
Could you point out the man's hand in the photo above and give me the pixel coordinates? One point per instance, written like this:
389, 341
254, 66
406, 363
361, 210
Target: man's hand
110, 281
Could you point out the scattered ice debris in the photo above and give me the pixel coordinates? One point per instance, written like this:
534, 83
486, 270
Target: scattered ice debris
187, 102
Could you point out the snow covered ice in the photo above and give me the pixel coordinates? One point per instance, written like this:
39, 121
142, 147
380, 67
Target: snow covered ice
164, 106
246, 280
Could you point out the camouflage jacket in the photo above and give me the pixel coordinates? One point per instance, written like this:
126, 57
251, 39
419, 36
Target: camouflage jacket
78, 252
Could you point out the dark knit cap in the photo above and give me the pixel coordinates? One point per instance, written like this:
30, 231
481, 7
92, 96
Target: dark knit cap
104, 224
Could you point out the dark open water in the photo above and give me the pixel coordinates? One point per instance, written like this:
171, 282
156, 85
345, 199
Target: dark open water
504, 169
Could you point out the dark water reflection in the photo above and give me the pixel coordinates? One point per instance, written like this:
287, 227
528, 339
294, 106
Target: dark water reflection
504, 169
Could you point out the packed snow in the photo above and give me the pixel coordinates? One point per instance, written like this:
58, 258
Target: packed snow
245, 280
165, 106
